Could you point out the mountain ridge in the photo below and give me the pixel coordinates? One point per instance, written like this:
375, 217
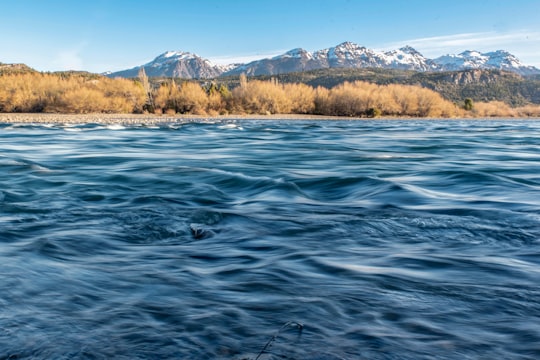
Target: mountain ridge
181, 64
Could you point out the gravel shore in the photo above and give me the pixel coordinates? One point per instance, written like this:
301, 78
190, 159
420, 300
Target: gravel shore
134, 119
124, 119
153, 119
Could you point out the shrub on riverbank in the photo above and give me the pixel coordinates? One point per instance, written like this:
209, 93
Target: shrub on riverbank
188, 98
361, 99
37, 92
79, 93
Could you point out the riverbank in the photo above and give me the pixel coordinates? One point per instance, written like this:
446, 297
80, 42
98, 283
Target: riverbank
127, 119
153, 119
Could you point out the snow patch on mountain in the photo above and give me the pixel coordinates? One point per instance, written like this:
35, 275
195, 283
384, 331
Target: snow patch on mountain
297, 53
344, 55
407, 58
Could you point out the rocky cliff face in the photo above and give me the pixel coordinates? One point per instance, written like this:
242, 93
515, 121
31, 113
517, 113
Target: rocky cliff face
476, 76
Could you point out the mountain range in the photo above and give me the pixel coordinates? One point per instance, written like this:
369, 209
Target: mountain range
186, 65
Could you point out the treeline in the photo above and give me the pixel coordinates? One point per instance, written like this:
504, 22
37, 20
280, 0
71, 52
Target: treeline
350, 99
357, 99
69, 93
479, 85
80, 93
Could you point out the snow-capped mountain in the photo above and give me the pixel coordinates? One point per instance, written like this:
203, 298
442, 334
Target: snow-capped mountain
499, 59
295, 60
408, 58
176, 64
345, 55
350, 55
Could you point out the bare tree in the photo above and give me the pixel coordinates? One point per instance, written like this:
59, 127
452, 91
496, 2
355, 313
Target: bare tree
147, 89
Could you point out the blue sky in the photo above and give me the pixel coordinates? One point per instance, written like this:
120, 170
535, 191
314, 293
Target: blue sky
102, 35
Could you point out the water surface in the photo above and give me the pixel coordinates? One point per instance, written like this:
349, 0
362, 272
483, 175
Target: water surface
203, 240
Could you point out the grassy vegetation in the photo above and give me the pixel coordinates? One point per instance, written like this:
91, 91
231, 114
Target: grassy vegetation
6, 69
354, 99
69, 93
336, 92
479, 85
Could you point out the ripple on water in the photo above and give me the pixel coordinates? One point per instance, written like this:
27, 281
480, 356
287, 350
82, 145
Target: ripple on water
211, 239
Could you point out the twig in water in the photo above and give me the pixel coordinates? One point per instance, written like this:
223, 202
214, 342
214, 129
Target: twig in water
298, 325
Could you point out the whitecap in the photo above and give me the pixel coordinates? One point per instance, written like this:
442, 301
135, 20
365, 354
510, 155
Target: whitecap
116, 127
231, 126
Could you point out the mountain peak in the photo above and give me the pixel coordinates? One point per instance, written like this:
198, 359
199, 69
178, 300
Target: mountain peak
174, 55
407, 58
296, 53
347, 44
344, 55
409, 50
472, 59
501, 52
172, 63
471, 53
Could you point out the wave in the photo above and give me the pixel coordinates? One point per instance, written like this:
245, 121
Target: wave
201, 239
